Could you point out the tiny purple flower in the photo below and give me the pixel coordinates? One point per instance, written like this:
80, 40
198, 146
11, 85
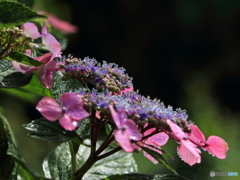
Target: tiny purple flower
126, 130
70, 113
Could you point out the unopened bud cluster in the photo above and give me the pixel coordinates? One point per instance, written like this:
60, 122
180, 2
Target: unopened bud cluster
13, 40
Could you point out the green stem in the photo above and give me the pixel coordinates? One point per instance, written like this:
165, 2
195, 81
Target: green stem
86, 166
105, 144
109, 153
73, 156
94, 134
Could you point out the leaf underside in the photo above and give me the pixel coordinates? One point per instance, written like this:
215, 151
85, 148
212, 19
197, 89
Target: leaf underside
14, 14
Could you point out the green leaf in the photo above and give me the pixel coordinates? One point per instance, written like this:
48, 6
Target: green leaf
108, 128
14, 14
23, 58
8, 168
57, 164
60, 86
136, 176
52, 132
28, 3
36, 87
26, 172
117, 163
20, 94
83, 130
47, 131
13, 154
159, 158
61, 162
10, 78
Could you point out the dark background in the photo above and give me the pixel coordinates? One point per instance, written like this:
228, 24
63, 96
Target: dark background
184, 52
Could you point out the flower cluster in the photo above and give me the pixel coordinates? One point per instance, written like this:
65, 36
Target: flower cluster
139, 108
102, 76
140, 121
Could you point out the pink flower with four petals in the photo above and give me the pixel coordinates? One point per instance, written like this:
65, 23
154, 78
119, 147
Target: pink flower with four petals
48, 40
214, 144
156, 140
126, 131
189, 142
70, 113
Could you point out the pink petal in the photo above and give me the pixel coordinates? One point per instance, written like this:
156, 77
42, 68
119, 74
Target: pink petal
149, 156
49, 108
196, 135
98, 114
131, 130
155, 140
30, 30
123, 140
189, 153
23, 68
51, 44
149, 131
44, 29
67, 123
158, 139
28, 52
46, 72
115, 117
45, 58
72, 103
176, 130
217, 147
61, 25
136, 147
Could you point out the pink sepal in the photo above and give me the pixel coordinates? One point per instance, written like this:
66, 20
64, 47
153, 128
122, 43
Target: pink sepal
49, 108
30, 30
73, 106
189, 153
67, 123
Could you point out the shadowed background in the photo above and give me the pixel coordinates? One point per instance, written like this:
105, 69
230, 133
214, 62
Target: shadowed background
184, 52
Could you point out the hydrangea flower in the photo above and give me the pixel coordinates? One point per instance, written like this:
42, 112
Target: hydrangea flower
46, 70
214, 144
189, 142
126, 130
188, 151
48, 40
157, 140
70, 113
50, 66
